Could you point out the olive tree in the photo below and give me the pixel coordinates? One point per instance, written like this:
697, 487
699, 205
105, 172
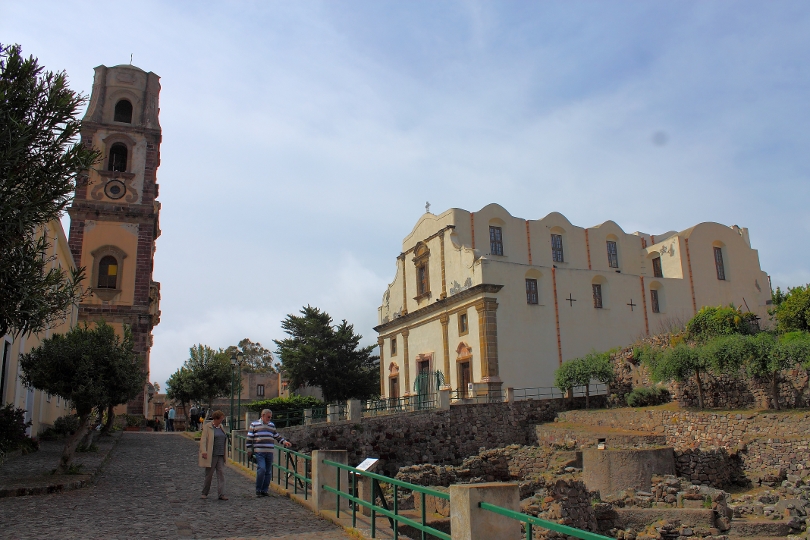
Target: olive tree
92, 367
40, 160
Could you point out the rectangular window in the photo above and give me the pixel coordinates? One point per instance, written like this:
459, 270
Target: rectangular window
557, 248
718, 262
495, 241
597, 295
463, 325
657, 271
654, 301
260, 390
393, 346
531, 291
422, 285
613, 254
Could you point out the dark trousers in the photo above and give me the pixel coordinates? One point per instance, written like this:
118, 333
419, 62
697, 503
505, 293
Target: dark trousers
218, 465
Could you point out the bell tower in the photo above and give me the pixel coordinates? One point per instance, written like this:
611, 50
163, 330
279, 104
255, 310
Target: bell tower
114, 215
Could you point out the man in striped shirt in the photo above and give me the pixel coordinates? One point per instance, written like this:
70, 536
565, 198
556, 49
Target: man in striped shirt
261, 439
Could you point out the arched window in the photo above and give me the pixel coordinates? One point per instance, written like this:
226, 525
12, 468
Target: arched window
612, 251
557, 245
421, 260
123, 111
658, 270
118, 158
108, 272
719, 265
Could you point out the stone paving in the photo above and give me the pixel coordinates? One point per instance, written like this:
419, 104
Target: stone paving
32, 472
151, 489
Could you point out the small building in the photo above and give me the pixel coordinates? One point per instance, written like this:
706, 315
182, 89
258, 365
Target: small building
493, 301
41, 409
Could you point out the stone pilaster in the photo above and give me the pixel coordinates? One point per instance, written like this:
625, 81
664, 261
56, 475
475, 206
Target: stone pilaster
404, 287
488, 342
445, 320
406, 362
380, 343
444, 280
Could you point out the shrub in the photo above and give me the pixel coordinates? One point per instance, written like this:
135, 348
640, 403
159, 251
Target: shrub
648, 396
135, 421
292, 403
12, 428
66, 425
792, 309
644, 354
711, 322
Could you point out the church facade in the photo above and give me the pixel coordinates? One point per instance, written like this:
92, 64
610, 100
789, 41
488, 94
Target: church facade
114, 216
497, 301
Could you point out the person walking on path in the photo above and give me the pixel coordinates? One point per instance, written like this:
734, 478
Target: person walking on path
212, 454
193, 417
166, 419
261, 439
172, 414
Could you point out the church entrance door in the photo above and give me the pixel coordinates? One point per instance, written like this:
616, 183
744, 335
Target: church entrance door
426, 386
464, 377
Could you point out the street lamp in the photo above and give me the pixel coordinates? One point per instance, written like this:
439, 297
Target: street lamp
236, 360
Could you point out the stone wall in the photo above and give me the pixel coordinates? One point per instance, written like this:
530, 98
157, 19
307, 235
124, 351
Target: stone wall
713, 467
438, 437
564, 436
755, 443
530, 466
566, 501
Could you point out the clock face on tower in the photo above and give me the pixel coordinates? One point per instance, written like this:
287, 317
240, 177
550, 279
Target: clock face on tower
115, 189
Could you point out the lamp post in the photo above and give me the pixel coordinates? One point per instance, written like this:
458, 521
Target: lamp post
236, 360
233, 365
239, 407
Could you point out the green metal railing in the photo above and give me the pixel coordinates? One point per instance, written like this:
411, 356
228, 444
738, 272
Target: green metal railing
380, 407
291, 469
491, 396
239, 452
296, 468
596, 389
530, 521
393, 515
296, 417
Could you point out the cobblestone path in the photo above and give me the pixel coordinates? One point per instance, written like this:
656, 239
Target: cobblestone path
151, 489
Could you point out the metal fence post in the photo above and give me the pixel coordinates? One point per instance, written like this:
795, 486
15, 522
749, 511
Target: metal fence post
469, 522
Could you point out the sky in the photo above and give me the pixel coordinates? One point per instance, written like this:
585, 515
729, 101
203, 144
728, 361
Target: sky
301, 140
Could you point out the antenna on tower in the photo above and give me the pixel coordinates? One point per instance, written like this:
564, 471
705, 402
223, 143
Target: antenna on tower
130, 59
